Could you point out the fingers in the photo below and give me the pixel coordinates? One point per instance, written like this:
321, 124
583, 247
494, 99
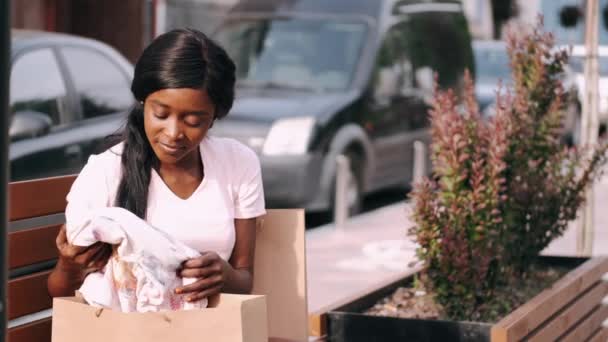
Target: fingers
66, 249
202, 285
200, 272
101, 257
94, 259
204, 294
209, 270
62, 237
88, 270
88, 254
202, 261
70, 251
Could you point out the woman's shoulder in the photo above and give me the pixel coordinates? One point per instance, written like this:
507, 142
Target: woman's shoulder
99, 177
232, 151
109, 158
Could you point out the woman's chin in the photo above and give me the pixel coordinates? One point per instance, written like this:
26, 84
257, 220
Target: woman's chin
169, 157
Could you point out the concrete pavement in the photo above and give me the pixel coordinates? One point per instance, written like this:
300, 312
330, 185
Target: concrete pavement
370, 249
566, 245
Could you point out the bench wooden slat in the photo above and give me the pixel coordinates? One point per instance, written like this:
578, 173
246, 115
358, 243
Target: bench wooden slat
38, 331
38, 197
31, 246
569, 317
599, 336
588, 326
28, 295
521, 322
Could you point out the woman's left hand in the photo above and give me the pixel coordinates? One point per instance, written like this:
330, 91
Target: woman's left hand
210, 270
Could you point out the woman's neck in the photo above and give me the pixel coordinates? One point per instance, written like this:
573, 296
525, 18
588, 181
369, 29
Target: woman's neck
191, 164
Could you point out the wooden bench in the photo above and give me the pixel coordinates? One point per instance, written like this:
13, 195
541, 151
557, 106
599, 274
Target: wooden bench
571, 310
36, 213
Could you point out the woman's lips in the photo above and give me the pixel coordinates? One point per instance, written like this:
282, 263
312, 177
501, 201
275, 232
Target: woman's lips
171, 149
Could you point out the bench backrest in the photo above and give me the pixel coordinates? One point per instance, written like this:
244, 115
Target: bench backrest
35, 215
572, 309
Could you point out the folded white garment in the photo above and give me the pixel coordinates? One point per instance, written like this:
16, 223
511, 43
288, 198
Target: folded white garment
141, 274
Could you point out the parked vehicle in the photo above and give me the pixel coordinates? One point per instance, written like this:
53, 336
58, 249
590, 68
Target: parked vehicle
565, 19
317, 79
493, 70
205, 15
577, 65
67, 94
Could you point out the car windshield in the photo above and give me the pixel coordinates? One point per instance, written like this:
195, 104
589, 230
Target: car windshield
552, 10
492, 64
294, 53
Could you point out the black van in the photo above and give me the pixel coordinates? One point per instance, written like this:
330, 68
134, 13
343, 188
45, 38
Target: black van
320, 78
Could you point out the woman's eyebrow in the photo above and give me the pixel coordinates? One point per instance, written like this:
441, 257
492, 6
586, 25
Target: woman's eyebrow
194, 112
158, 103
200, 113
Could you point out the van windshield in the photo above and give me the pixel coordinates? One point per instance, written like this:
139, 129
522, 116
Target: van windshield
309, 54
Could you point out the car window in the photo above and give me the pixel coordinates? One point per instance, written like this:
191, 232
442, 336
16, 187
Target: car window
439, 43
101, 86
36, 85
388, 71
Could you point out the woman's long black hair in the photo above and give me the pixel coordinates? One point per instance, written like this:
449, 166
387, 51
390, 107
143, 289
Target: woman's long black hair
183, 58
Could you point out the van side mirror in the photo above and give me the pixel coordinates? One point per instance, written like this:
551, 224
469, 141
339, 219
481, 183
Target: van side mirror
29, 124
569, 16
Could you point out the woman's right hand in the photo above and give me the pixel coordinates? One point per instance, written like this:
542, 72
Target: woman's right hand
78, 260
74, 264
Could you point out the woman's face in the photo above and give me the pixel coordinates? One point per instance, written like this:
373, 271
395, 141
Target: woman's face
176, 121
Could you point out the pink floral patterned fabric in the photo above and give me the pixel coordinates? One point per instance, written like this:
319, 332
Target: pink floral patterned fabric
141, 274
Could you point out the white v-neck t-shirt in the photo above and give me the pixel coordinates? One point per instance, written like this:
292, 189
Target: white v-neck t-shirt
231, 189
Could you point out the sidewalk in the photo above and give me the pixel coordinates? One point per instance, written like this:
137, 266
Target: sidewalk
566, 245
369, 250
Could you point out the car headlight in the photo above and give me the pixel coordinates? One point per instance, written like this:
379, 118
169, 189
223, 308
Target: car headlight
289, 136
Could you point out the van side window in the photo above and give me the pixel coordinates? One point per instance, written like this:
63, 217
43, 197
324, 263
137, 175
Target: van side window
387, 71
438, 43
415, 59
36, 85
397, 73
101, 86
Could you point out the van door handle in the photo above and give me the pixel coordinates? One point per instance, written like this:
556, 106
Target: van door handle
73, 151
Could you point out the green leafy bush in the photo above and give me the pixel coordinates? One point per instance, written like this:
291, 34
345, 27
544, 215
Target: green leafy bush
503, 188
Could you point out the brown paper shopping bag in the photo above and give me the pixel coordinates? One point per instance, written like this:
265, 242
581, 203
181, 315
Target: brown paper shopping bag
280, 272
229, 318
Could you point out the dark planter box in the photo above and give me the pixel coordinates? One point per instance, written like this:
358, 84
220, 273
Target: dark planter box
349, 324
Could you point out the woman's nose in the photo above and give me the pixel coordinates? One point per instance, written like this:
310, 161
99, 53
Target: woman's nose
174, 130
